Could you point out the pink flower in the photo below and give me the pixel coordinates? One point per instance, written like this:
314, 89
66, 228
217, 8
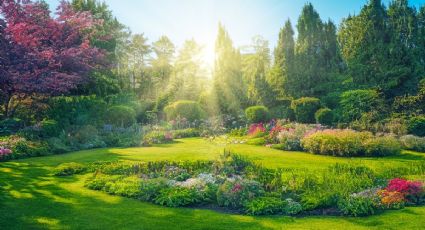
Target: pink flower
237, 188
404, 186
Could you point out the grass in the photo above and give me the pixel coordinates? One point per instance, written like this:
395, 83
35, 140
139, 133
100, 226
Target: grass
32, 198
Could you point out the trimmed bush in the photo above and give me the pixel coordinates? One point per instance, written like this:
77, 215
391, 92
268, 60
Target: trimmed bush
120, 115
305, 108
190, 110
382, 146
416, 126
257, 114
324, 116
336, 142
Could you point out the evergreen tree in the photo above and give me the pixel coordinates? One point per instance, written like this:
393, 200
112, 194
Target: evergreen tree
229, 87
162, 63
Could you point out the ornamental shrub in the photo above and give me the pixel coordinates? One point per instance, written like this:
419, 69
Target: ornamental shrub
416, 126
412, 142
68, 169
358, 205
355, 103
157, 137
265, 206
305, 108
324, 116
10, 126
382, 146
257, 114
120, 115
233, 193
177, 197
49, 128
190, 110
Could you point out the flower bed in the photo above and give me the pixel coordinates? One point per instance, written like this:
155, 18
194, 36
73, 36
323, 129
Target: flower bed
235, 183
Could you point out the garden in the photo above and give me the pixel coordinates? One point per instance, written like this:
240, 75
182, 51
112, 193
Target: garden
100, 129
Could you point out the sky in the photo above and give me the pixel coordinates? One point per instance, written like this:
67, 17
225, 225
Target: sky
198, 19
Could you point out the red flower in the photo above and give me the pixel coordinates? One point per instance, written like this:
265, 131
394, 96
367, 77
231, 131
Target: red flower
404, 186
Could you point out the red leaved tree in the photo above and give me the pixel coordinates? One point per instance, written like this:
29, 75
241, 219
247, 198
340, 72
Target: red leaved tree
41, 54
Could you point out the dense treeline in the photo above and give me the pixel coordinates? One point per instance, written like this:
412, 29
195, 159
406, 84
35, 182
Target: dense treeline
365, 71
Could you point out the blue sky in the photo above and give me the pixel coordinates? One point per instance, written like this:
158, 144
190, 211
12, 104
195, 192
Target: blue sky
198, 19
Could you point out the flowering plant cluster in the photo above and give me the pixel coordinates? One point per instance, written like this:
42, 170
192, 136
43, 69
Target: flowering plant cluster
409, 191
256, 130
4, 152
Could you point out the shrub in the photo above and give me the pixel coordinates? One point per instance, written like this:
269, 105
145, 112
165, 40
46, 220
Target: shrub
290, 137
336, 142
68, 169
305, 108
123, 137
49, 128
282, 112
76, 110
382, 146
234, 193
185, 133
10, 126
177, 196
358, 206
238, 132
190, 110
127, 187
256, 130
324, 116
121, 115
416, 126
355, 103
57, 145
257, 114
411, 190
411, 142
150, 188
25, 148
391, 199
292, 207
157, 137
256, 141
265, 206
5, 153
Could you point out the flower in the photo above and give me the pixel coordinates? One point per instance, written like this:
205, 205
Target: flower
404, 186
237, 188
256, 129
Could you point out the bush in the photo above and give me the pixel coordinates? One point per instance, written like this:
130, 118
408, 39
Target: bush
68, 169
282, 112
127, 187
190, 110
157, 137
177, 197
265, 206
121, 115
290, 137
25, 148
358, 206
234, 193
76, 110
382, 146
355, 103
49, 128
305, 108
150, 188
185, 133
411, 142
336, 142
123, 137
257, 114
10, 126
324, 116
57, 145
416, 126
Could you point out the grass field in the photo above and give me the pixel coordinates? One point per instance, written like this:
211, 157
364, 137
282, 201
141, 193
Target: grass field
31, 198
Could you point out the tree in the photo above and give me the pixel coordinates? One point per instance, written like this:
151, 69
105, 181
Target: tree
283, 59
161, 65
255, 67
47, 55
229, 87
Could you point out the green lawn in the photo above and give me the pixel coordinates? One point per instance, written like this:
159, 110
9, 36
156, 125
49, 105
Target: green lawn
31, 198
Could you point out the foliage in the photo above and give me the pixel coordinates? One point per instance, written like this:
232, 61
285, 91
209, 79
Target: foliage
49, 128
150, 188
355, 103
68, 169
157, 137
416, 126
233, 193
304, 109
357, 205
413, 143
256, 130
290, 137
382, 146
189, 110
120, 115
265, 206
412, 191
324, 116
257, 114
185, 133
177, 196
10, 126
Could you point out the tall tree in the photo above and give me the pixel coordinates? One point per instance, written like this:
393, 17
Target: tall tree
229, 86
47, 55
162, 63
283, 59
